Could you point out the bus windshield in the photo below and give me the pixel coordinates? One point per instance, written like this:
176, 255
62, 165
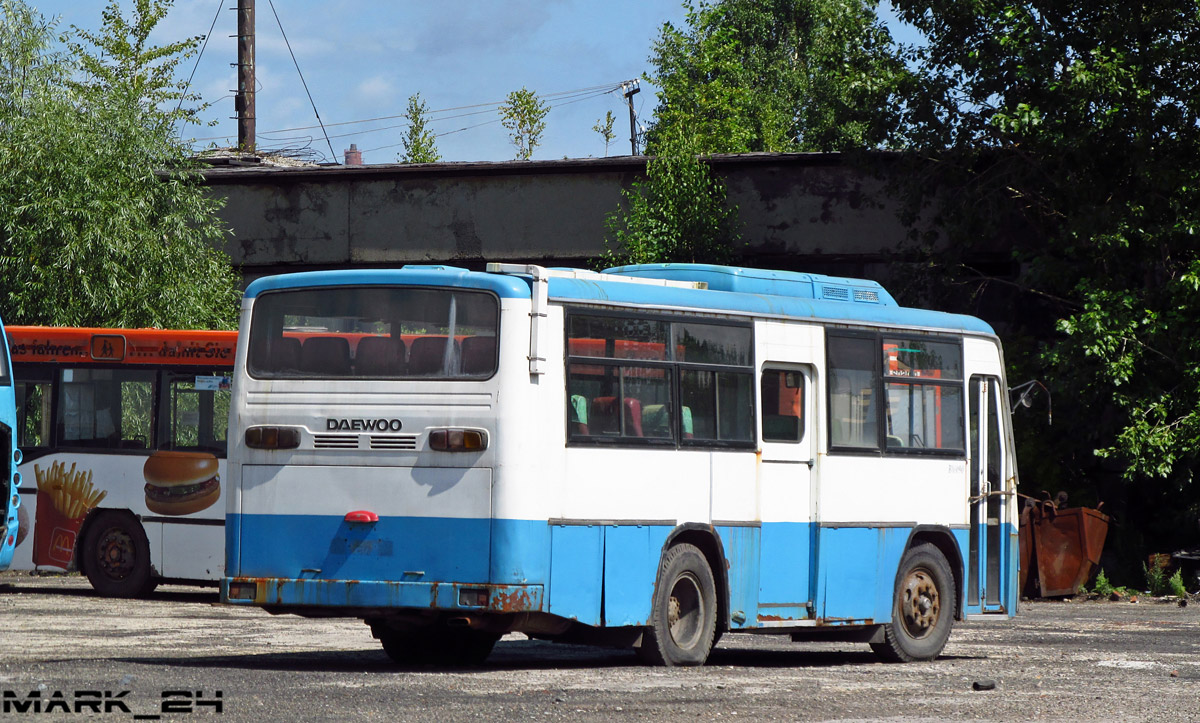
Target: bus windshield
374, 332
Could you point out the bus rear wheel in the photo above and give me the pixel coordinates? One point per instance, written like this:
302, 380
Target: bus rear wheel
923, 609
116, 556
683, 616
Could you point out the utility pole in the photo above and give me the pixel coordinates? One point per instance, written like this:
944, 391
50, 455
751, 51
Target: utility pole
630, 88
243, 102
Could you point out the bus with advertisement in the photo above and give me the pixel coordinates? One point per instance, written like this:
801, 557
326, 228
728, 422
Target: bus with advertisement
10, 480
652, 456
123, 438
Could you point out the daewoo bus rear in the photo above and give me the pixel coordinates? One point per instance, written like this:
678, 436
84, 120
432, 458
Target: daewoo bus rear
651, 457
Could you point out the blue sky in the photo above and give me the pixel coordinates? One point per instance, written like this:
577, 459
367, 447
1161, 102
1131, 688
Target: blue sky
362, 59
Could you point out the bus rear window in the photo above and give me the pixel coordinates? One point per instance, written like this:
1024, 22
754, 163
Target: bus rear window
374, 333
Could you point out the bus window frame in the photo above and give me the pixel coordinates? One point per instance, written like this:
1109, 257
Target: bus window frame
164, 414
674, 368
879, 388
257, 375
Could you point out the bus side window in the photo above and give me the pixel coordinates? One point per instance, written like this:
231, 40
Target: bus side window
33, 413
106, 408
853, 375
197, 417
782, 405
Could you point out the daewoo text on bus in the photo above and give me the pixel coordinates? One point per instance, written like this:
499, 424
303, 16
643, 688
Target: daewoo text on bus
652, 457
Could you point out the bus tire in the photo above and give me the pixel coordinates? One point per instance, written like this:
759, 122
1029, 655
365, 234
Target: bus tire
683, 615
922, 610
116, 556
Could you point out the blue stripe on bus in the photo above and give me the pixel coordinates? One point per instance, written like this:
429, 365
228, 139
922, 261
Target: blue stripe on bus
394, 548
595, 574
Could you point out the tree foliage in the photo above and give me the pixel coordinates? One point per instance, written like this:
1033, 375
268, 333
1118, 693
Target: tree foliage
1077, 124
419, 142
103, 219
524, 115
777, 75
677, 213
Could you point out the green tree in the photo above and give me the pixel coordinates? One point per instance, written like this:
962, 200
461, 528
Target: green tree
524, 114
103, 217
604, 127
778, 75
1070, 132
419, 143
677, 213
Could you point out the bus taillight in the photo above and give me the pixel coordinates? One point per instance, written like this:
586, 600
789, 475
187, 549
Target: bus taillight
242, 590
273, 437
458, 440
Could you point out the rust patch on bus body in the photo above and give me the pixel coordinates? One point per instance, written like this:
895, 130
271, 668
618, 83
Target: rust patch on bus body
514, 601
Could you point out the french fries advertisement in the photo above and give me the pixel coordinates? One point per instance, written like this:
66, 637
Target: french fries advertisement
65, 495
73, 492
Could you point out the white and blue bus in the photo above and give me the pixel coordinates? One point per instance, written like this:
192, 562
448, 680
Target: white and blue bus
10, 480
651, 457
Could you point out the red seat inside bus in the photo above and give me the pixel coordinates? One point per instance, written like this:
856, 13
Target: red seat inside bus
603, 418
478, 354
325, 355
426, 354
380, 356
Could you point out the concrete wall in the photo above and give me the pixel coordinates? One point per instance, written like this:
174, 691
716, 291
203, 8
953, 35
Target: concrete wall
810, 211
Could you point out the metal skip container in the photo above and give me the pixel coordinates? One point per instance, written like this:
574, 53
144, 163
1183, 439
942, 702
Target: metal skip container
1061, 545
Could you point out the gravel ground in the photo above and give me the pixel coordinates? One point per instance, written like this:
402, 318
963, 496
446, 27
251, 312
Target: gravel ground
1055, 661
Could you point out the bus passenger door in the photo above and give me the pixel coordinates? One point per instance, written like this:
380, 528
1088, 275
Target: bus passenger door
785, 493
991, 480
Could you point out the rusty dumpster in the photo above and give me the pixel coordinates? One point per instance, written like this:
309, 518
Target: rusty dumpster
1059, 548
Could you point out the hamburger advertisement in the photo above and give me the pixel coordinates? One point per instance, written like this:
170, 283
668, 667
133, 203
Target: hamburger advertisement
180, 483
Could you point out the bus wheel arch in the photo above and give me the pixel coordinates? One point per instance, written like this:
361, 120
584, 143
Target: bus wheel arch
923, 607
943, 540
113, 552
708, 541
688, 604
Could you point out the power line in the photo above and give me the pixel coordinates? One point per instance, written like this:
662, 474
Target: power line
302, 81
569, 95
477, 125
199, 56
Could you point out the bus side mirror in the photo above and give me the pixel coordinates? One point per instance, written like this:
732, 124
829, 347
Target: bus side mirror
1025, 398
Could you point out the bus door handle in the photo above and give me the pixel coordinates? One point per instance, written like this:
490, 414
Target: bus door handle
365, 516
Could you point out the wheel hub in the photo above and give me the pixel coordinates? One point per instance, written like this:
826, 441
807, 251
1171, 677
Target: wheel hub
116, 554
685, 611
922, 604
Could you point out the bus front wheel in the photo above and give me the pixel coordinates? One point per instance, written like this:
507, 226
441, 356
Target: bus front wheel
683, 616
923, 609
116, 556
